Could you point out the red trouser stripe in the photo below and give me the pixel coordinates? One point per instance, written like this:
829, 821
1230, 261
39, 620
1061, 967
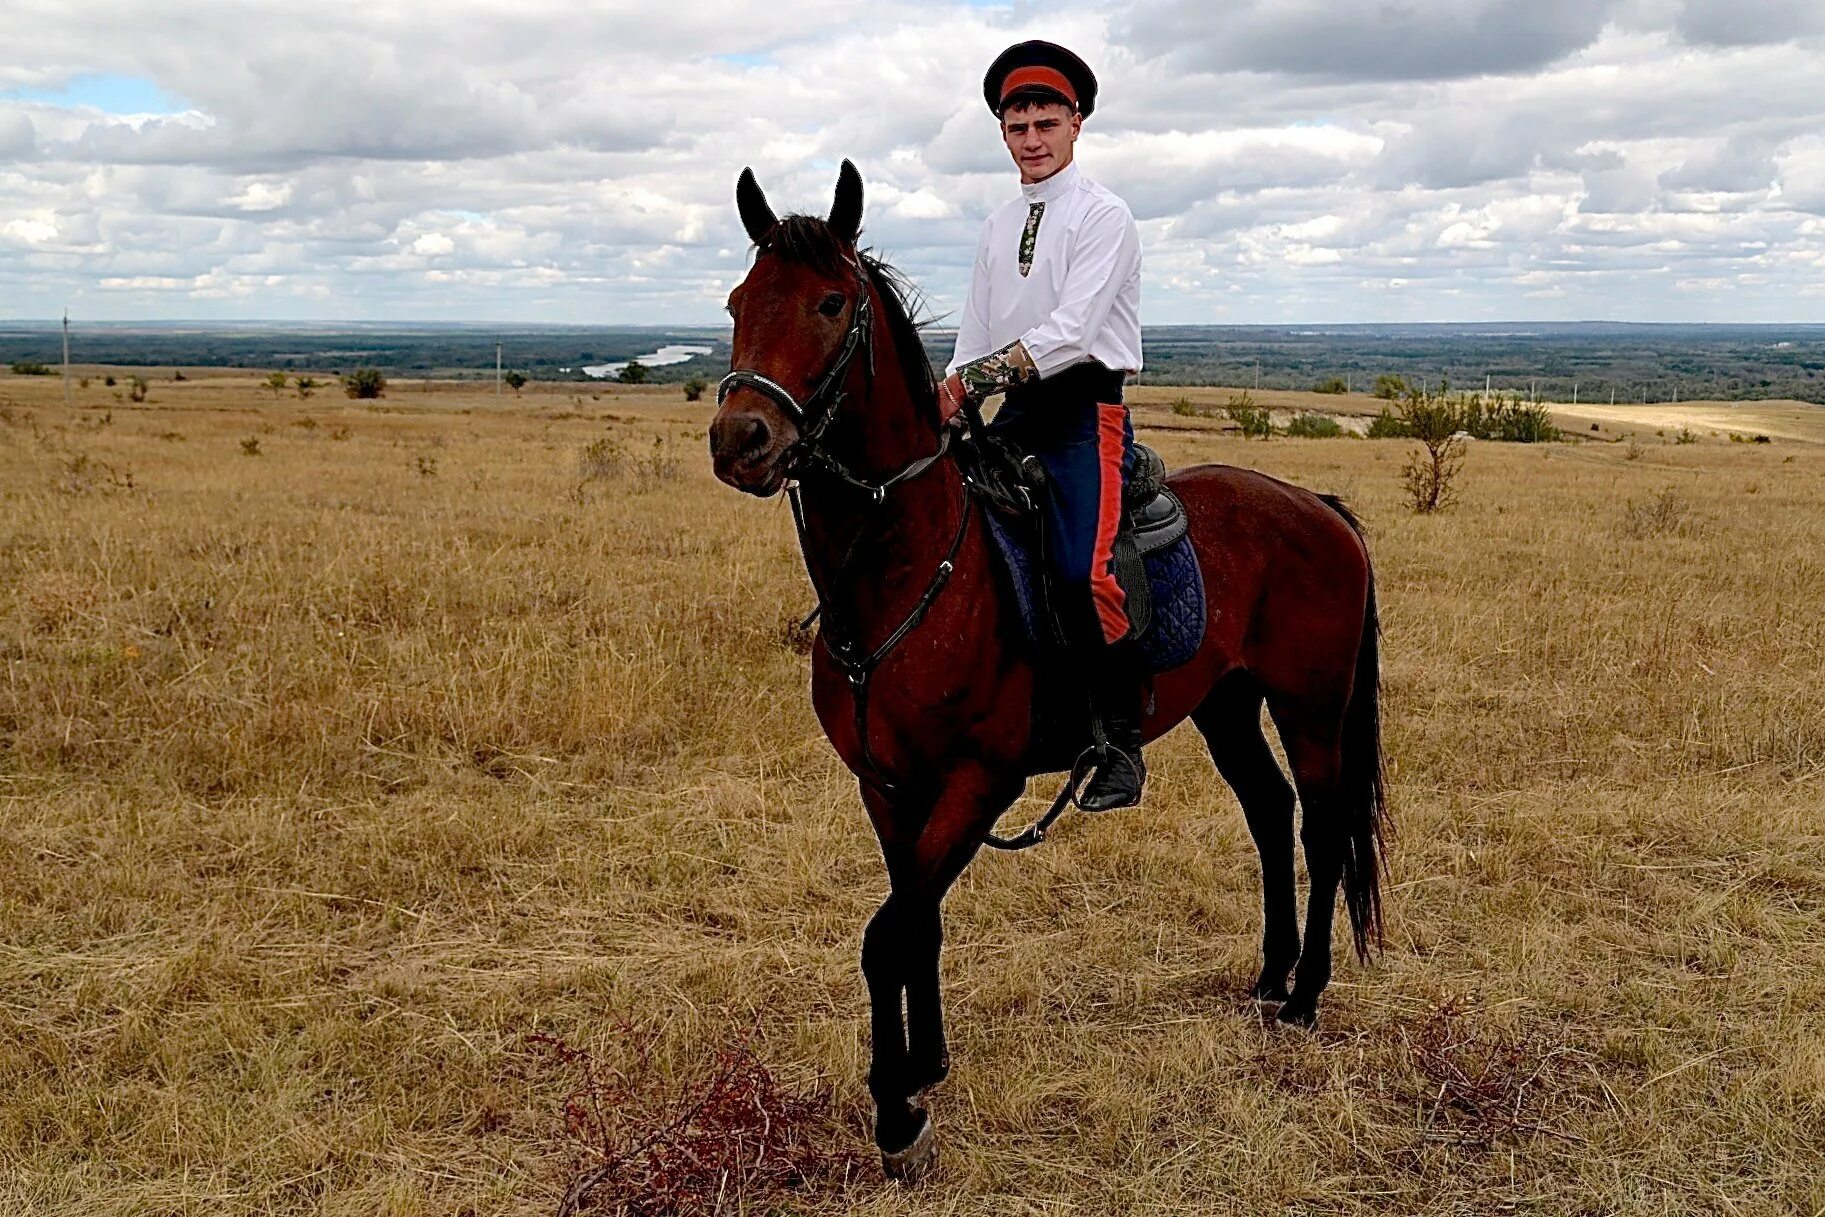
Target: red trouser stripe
1105, 593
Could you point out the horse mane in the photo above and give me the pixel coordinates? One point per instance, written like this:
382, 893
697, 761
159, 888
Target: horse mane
808, 241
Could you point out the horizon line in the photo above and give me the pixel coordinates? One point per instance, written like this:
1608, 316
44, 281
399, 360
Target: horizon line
57, 322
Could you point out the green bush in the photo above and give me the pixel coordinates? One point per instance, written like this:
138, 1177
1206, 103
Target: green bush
1387, 425
1335, 384
633, 374
1391, 388
1314, 426
1184, 407
26, 367
695, 388
515, 380
1430, 475
365, 384
1510, 420
1254, 421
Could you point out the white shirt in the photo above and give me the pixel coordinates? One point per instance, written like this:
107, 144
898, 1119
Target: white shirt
1080, 300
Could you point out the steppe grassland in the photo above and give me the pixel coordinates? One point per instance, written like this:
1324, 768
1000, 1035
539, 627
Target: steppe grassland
331, 771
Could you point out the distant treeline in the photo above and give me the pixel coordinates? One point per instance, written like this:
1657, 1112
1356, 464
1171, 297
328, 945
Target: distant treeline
1689, 362
1547, 361
556, 353
1600, 359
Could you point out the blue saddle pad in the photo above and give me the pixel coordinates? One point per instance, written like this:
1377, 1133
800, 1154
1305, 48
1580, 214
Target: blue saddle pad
1177, 629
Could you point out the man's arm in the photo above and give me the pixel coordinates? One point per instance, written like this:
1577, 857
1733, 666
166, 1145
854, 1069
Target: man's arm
1106, 254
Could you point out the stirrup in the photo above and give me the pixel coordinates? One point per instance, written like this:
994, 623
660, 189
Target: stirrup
1109, 760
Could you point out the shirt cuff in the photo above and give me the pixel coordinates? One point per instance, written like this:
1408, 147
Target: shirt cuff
1050, 354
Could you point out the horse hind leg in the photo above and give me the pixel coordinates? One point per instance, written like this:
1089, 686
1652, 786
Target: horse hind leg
1313, 741
1230, 721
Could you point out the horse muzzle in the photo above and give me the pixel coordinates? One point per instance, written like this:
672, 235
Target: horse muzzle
749, 452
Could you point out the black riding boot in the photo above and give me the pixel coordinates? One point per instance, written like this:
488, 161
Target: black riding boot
1115, 702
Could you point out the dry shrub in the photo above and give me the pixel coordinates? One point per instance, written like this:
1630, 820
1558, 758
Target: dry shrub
1484, 1084
1658, 515
608, 459
601, 459
81, 473
797, 635
54, 599
730, 1140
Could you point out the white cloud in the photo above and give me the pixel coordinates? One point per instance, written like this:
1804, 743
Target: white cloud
1288, 159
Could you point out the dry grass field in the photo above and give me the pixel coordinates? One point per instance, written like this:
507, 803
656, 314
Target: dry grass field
345, 747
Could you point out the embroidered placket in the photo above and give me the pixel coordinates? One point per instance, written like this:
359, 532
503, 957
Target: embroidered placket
1029, 237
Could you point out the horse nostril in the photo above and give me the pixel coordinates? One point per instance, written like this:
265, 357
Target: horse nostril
739, 436
751, 436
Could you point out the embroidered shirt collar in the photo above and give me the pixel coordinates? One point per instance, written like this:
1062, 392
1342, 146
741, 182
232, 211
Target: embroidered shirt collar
1053, 188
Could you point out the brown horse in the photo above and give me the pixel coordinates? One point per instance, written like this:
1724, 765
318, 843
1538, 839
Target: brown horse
921, 674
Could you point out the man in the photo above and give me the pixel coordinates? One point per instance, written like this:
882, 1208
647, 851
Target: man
1053, 321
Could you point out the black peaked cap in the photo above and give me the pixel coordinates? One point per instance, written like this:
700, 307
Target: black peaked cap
1039, 54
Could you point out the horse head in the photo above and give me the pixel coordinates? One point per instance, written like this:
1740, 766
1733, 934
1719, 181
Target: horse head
801, 316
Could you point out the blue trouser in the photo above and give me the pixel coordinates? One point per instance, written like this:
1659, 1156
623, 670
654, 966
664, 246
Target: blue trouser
1075, 423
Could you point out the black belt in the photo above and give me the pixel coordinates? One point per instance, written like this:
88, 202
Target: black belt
1087, 381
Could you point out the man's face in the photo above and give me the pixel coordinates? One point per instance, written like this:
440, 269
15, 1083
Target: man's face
1040, 139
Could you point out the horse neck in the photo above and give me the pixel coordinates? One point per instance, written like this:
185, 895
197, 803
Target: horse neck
901, 541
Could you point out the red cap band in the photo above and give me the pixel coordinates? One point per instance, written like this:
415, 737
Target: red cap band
1051, 78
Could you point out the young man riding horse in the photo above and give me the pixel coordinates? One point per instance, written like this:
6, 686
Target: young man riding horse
923, 675
1053, 321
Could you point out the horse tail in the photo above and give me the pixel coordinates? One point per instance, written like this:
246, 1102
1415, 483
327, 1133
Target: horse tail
1364, 777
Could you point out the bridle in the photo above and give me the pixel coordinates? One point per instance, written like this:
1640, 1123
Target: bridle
807, 454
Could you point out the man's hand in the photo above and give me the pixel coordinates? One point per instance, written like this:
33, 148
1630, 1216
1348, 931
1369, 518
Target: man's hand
951, 398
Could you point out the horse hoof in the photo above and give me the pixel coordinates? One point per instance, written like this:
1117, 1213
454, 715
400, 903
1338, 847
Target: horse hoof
1266, 991
1297, 1014
908, 1164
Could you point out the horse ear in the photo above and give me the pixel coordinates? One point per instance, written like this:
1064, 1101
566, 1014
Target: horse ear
756, 216
846, 212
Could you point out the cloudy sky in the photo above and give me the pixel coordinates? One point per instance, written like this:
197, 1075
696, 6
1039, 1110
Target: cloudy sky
1288, 160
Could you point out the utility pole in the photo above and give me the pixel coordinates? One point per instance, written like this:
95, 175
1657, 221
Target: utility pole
497, 369
1257, 371
66, 357
1485, 384
1676, 393
1574, 392
1612, 395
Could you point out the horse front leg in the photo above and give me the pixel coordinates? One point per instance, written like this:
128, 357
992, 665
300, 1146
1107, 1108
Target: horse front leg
901, 949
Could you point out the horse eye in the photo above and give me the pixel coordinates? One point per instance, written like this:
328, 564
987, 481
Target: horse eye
832, 305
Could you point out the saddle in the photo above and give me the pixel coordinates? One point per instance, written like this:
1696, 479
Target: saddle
1153, 561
